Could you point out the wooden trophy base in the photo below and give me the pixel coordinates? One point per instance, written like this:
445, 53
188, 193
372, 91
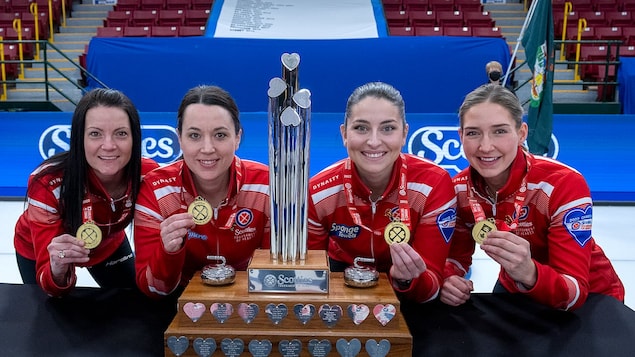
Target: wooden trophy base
341, 322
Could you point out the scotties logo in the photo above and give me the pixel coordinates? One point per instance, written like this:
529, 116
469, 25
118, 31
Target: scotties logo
159, 142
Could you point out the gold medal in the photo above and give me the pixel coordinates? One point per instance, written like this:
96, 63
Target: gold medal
396, 232
481, 228
200, 210
90, 234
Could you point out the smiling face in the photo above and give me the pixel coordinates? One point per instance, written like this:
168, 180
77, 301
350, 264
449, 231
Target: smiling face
209, 141
490, 141
107, 142
374, 134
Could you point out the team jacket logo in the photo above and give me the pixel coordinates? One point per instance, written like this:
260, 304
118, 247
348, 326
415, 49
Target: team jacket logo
159, 142
442, 145
244, 217
578, 223
344, 232
524, 212
446, 221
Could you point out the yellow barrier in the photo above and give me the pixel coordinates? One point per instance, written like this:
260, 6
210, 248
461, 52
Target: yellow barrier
36, 16
567, 9
581, 27
3, 95
17, 26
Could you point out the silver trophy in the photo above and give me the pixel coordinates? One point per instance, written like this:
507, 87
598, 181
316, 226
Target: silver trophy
289, 133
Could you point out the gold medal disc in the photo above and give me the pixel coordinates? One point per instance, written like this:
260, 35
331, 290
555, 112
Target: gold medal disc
396, 232
90, 234
481, 228
200, 210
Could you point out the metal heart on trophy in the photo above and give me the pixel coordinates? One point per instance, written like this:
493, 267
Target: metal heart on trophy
276, 313
319, 348
204, 347
290, 60
375, 349
232, 348
358, 313
330, 315
260, 348
304, 313
248, 312
348, 348
221, 311
302, 98
178, 345
384, 313
194, 310
277, 86
290, 117
290, 348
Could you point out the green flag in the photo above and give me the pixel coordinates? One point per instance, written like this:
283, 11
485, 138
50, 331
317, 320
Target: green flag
539, 51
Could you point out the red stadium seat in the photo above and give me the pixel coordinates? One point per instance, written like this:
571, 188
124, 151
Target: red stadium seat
171, 18
401, 31
152, 4
423, 18
27, 34
392, 5
132, 31
164, 31
558, 21
178, 4
418, 5
428, 31
109, 32
582, 5
127, 5
186, 31
20, 5
626, 5
605, 5
397, 18
487, 32
142, 18
468, 5
629, 35
627, 51
202, 4
457, 31
594, 18
28, 20
195, 17
619, 18
118, 19
608, 33
56, 7
441, 5
480, 19
11, 54
572, 34
449, 18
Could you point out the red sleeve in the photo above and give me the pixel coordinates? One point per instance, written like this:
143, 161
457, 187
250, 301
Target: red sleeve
318, 236
158, 272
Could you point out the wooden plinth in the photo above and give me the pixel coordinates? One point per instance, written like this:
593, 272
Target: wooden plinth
290, 327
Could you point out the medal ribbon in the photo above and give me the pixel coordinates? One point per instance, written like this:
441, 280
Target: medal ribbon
477, 209
87, 211
404, 207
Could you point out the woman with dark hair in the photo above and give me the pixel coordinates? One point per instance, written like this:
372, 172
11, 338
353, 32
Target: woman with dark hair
209, 203
381, 204
80, 201
530, 214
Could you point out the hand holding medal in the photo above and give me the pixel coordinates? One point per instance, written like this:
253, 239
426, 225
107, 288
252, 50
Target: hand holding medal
90, 234
396, 232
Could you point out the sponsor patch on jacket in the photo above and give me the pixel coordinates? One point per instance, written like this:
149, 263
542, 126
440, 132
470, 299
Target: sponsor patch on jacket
446, 221
578, 223
244, 217
344, 232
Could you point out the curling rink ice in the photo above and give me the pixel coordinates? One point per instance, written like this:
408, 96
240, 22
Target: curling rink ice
613, 230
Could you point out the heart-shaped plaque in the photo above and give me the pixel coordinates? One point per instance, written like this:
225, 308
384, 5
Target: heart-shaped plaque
304, 313
384, 313
204, 347
330, 315
358, 313
178, 345
260, 348
302, 98
375, 349
348, 348
276, 313
319, 348
221, 311
290, 60
194, 310
248, 312
290, 348
290, 117
232, 348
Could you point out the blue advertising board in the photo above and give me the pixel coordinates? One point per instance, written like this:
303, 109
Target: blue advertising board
599, 146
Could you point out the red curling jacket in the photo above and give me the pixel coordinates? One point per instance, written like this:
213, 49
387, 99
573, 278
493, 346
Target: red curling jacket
432, 206
556, 219
169, 190
40, 223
